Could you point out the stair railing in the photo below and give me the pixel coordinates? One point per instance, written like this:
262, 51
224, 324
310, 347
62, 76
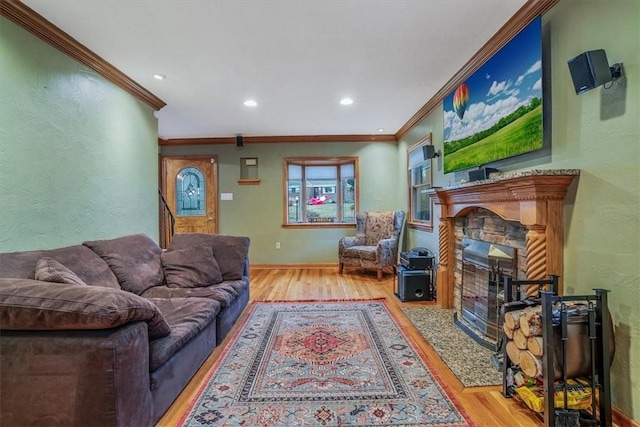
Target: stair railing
167, 222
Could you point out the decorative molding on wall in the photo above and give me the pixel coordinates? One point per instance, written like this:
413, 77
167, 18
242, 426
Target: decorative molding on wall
518, 21
533, 198
279, 139
27, 18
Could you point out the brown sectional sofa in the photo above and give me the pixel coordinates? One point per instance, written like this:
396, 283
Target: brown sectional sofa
109, 332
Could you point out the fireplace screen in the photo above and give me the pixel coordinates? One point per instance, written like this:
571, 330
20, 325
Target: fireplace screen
484, 266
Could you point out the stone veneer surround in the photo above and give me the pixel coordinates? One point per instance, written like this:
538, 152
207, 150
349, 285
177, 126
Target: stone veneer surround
533, 198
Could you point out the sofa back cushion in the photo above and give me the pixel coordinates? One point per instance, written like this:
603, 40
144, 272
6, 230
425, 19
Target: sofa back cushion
191, 267
88, 266
134, 259
230, 252
34, 305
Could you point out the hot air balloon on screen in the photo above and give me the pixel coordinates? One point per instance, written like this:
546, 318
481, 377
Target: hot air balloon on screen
460, 99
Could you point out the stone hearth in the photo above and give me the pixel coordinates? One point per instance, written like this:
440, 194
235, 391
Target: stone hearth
529, 203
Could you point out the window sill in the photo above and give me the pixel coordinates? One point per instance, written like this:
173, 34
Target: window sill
319, 225
422, 226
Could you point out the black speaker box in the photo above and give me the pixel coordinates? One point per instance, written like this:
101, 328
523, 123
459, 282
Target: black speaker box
480, 174
589, 70
414, 285
429, 152
239, 141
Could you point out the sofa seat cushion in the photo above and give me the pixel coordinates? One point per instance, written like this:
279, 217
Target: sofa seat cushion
361, 252
231, 252
191, 267
85, 263
34, 305
187, 317
134, 259
225, 293
50, 270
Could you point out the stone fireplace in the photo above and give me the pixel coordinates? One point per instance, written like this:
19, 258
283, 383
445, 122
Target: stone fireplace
521, 211
487, 248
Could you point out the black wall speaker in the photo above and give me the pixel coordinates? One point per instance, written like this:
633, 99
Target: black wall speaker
429, 152
414, 285
589, 70
480, 174
239, 141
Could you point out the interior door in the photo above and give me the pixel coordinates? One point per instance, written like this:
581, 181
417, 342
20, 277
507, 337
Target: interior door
191, 188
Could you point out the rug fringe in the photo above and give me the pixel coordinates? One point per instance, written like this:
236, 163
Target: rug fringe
321, 300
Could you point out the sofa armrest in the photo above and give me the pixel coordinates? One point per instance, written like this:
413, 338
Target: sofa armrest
63, 378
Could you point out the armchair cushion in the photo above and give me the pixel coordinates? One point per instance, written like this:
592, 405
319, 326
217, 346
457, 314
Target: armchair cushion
378, 226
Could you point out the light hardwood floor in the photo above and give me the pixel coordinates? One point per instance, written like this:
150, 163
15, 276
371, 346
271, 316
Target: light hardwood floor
485, 405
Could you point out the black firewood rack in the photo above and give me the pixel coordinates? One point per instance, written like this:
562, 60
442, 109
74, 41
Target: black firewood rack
600, 330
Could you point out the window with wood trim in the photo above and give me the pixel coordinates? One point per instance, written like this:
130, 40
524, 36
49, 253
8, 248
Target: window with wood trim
320, 191
420, 178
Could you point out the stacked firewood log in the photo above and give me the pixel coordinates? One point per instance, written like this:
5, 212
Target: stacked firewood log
523, 330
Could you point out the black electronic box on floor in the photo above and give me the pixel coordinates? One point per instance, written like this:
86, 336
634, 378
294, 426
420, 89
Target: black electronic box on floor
414, 285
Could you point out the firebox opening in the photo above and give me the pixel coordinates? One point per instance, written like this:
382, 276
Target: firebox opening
484, 266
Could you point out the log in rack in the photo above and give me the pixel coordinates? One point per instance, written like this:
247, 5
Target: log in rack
600, 413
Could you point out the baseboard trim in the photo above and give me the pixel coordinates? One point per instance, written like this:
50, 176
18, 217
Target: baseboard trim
292, 266
620, 419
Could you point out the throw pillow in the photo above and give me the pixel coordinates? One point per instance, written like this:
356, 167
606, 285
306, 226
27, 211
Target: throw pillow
191, 267
134, 259
33, 305
50, 270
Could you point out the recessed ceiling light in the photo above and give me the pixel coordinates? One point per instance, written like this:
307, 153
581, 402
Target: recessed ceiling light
159, 76
250, 103
346, 101
380, 129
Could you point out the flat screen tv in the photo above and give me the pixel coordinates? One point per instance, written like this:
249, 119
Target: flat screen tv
497, 112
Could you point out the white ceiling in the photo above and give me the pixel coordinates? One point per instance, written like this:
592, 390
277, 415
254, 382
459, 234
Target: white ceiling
297, 59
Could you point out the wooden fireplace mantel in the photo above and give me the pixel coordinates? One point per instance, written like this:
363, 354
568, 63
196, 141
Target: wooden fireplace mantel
534, 198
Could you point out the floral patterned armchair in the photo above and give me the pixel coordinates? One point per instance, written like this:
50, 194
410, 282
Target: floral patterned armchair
375, 244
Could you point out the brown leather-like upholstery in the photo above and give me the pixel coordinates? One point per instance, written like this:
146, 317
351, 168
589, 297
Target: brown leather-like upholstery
85, 263
134, 259
73, 355
76, 378
230, 251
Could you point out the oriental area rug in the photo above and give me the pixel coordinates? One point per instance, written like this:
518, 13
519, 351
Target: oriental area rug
345, 363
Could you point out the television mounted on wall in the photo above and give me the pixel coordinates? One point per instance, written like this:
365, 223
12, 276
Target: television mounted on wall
496, 113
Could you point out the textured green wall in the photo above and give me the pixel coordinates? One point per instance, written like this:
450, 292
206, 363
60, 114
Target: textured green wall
256, 210
597, 132
78, 155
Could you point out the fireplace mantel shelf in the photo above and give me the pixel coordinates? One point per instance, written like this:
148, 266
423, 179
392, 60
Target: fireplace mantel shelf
534, 198
505, 193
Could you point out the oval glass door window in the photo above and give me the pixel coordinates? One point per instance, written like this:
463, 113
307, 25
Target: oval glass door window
190, 194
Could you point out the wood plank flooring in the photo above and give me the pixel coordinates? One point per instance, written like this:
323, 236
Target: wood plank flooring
485, 405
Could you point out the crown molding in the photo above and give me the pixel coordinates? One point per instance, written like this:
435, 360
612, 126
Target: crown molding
279, 139
30, 20
527, 13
